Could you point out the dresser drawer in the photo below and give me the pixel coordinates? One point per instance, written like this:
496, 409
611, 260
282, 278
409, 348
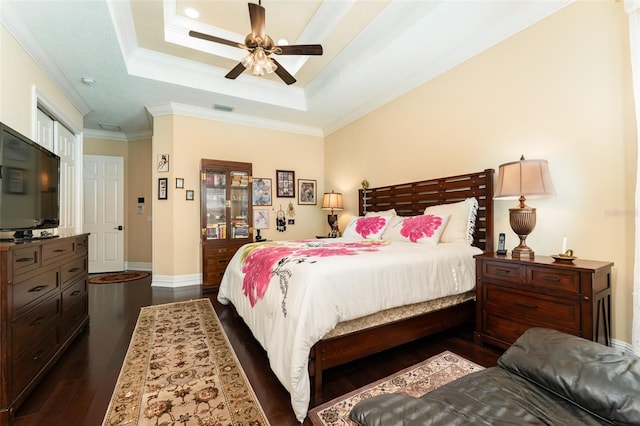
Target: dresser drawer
503, 329
53, 251
28, 328
25, 259
75, 291
30, 290
73, 317
73, 269
28, 365
554, 279
512, 272
546, 311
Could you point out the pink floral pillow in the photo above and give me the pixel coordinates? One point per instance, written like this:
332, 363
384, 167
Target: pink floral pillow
426, 228
370, 228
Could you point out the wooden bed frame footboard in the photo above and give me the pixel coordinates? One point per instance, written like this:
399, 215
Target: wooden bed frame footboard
410, 199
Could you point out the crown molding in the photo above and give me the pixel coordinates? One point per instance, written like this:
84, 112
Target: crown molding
231, 117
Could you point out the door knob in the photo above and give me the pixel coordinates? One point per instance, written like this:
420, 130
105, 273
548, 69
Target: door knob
119, 228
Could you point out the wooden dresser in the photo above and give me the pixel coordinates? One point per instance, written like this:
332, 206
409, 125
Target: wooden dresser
43, 307
513, 295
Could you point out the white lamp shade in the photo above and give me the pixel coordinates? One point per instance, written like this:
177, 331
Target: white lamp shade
528, 178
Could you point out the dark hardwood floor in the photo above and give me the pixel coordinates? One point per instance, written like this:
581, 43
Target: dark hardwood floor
78, 389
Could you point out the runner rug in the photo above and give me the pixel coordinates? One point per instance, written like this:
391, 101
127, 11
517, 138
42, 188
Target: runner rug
180, 369
414, 381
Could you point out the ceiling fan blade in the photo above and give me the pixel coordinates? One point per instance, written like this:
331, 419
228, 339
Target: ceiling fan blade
282, 73
300, 49
256, 14
214, 39
236, 71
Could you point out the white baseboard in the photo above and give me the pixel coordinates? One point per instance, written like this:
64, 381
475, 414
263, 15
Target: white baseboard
176, 281
138, 266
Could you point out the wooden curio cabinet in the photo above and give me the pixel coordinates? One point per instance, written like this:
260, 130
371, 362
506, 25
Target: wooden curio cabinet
226, 216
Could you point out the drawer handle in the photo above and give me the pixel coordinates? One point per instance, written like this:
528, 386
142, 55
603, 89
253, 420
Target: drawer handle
75, 293
38, 288
59, 250
38, 321
222, 261
554, 279
222, 250
33, 259
72, 270
39, 354
526, 305
503, 271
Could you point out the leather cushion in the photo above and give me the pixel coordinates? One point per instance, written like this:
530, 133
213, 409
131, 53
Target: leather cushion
601, 379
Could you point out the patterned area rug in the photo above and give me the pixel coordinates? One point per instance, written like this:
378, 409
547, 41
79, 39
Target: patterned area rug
414, 381
180, 369
118, 277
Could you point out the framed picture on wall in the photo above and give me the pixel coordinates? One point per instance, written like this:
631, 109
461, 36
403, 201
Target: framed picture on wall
307, 191
261, 192
286, 183
163, 162
162, 188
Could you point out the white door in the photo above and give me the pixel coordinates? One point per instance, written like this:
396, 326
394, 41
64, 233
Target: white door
104, 212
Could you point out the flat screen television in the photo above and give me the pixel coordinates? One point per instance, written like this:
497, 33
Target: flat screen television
29, 184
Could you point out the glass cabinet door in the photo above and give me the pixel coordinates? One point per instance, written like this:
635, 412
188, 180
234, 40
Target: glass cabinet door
215, 204
240, 203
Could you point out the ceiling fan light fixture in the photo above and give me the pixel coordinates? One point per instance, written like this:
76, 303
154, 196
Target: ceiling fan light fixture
258, 63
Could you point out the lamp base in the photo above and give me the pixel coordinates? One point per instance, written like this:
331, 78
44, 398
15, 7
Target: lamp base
522, 251
522, 220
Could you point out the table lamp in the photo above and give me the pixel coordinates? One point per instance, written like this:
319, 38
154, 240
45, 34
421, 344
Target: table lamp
517, 180
332, 201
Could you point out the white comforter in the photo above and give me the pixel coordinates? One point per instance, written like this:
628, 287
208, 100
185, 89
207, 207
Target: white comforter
291, 293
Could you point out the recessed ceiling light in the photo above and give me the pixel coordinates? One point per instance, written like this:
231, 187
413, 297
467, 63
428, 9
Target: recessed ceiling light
192, 13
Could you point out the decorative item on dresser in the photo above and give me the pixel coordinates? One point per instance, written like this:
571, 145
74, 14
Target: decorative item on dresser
44, 306
226, 215
516, 180
513, 295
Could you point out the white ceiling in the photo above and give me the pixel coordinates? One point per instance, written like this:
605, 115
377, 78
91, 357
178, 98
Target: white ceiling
144, 63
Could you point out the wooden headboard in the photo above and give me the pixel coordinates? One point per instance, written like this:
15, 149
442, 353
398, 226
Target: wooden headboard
410, 199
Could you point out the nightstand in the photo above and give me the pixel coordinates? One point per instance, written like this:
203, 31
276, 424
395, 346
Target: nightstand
513, 295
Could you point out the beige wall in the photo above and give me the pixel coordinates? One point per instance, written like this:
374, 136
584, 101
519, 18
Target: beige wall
560, 90
19, 76
187, 140
137, 183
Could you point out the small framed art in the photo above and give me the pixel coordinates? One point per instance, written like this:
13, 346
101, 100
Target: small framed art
190, 194
179, 183
163, 162
307, 191
261, 192
162, 188
286, 183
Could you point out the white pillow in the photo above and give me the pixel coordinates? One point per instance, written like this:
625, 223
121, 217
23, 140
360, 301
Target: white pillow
461, 223
370, 228
390, 212
426, 229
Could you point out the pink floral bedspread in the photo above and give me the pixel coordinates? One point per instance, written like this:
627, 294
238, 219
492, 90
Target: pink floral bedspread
292, 293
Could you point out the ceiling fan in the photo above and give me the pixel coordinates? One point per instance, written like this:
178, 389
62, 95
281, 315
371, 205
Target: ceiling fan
260, 46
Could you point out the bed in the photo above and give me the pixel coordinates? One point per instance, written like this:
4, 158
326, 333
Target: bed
292, 294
